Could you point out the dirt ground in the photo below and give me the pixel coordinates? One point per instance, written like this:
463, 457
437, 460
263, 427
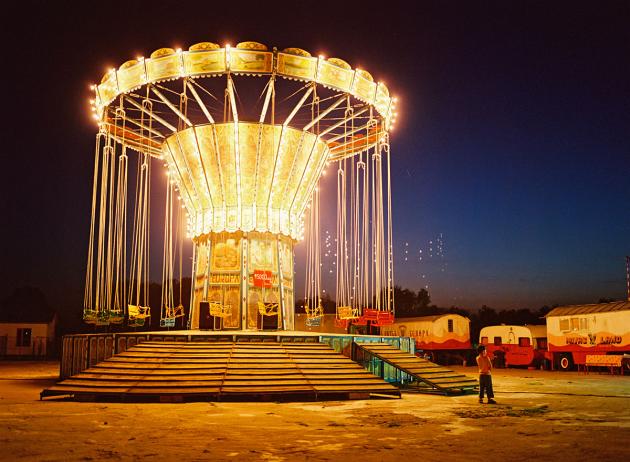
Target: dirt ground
541, 415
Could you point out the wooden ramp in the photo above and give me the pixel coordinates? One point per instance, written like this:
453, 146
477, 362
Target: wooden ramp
213, 371
428, 376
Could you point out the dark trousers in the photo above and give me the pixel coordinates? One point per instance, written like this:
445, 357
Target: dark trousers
485, 385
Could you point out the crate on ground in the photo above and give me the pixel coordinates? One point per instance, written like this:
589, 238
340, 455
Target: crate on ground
612, 362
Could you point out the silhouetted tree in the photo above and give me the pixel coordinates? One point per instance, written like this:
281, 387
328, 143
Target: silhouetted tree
412, 304
25, 303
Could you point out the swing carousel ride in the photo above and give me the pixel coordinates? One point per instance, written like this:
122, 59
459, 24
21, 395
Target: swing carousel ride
244, 135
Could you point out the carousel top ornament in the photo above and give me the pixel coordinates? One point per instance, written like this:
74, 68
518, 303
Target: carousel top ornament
207, 59
169, 106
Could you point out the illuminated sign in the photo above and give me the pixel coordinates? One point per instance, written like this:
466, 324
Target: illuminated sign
224, 278
262, 278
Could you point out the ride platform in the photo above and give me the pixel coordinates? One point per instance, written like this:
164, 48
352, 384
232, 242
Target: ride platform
185, 366
422, 374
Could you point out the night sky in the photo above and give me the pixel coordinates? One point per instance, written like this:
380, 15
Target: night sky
510, 160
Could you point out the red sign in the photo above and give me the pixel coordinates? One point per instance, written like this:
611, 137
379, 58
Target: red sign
262, 278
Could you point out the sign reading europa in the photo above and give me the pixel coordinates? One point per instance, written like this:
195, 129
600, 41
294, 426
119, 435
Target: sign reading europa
224, 278
262, 279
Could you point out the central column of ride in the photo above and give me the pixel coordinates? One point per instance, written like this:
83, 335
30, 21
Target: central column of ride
245, 187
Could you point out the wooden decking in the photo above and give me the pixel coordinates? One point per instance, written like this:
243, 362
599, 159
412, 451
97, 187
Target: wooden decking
204, 371
429, 376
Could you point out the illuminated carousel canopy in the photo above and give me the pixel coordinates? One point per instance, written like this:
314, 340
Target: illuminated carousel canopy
238, 172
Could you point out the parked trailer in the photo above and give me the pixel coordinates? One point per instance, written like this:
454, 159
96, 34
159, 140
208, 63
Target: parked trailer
578, 330
515, 345
444, 338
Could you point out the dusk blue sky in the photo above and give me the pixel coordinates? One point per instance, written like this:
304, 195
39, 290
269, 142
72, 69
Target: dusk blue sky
513, 144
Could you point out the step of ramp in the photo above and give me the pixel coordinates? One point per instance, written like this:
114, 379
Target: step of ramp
433, 377
203, 371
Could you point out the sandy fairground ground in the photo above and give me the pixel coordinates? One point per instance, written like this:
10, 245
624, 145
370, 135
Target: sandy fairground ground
540, 416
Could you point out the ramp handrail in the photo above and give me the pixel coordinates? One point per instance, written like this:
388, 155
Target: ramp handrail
410, 368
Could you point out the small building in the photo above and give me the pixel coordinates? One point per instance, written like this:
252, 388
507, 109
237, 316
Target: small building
575, 331
515, 345
443, 338
27, 325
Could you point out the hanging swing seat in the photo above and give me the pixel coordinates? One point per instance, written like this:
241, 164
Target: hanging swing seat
347, 312
378, 317
167, 322
385, 319
314, 322
370, 314
135, 322
139, 312
89, 316
360, 321
138, 315
312, 313
268, 308
115, 317
177, 312
98, 318
171, 314
219, 310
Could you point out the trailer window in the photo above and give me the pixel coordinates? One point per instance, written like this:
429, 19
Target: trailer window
575, 323
584, 324
524, 342
564, 325
23, 338
450, 325
497, 340
484, 340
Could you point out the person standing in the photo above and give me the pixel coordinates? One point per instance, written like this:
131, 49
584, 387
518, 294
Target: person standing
485, 375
